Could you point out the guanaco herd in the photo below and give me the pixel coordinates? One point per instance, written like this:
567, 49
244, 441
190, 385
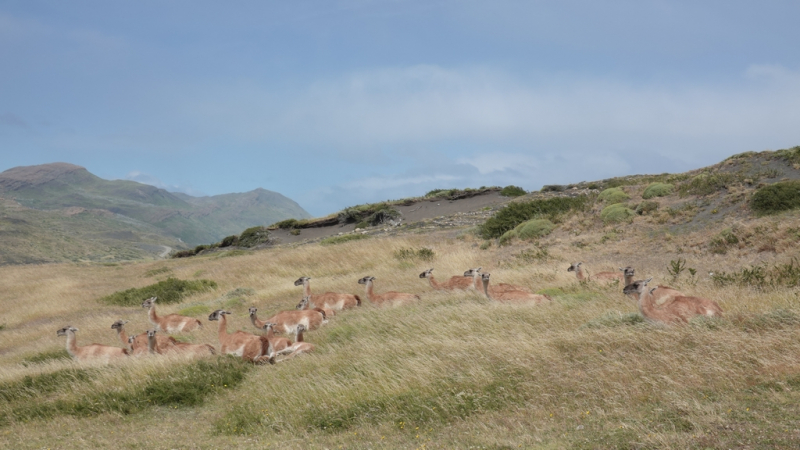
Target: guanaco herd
658, 304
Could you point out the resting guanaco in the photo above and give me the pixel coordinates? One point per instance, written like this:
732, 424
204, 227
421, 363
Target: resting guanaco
179, 347
91, 351
138, 343
454, 283
171, 323
245, 345
661, 294
675, 310
516, 296
496, 289
299, 345
306, 301
393, 298
329, 300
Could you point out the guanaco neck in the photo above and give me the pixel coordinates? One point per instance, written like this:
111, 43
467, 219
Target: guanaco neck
476, 283
486, 288
151, 313
307, 288
646, 303
151, 343
72, 346
298, 335
123, 336
369, 290
256, 323
270, 333
628, 279
222, 332
581, 274
434, 283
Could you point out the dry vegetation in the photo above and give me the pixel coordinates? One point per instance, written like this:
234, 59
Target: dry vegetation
452, 371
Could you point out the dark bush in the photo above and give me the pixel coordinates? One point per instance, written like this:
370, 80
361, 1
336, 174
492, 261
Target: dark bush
512, 191
763, 276
171, 290
517, 212
229, 241
774, 198
183, 254
254, 236
646, 207
286, 224
707, 183
374, 214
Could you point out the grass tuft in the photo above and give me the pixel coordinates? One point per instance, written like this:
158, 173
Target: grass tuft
342, 239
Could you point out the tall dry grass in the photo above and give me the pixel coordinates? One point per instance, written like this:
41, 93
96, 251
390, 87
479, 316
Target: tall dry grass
454, 370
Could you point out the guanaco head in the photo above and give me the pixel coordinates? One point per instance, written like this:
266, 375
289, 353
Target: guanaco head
366, 279
252, 311
151, 333
300, 328
217, 314
637, 287
472, 272
131, 339
574, 267
426, 274
118, 324
628, 271
269, 325
485, 277
63, 331
149, 302
303, 303
301, 281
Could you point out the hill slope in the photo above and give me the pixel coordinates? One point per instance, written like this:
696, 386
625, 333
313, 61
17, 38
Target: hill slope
34, 193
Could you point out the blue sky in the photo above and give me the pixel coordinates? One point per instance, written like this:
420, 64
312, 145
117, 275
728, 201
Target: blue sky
335, 103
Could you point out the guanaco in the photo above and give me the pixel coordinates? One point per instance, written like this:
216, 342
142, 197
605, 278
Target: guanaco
91, 351
299, 346
138, 343
329, 300
179, 347
171, 323
661, 294
677, 309
454, 283
517, 296
245, 345
286, 321
306, 301
393, 298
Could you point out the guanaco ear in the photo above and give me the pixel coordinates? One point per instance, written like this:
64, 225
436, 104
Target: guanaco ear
651, 290
647, 281
622, 269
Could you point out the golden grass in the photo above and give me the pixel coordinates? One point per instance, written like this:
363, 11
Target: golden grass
453, 370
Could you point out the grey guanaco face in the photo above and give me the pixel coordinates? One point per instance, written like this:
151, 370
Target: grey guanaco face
130, 339
269, 325
636, 287
366, 279
574, 267
149, 302
301, 281
472, 272
628, 271
426, 273
252, 310
303, 303
485, 276
151, 333
118, 324
216, 314
63, 331
301, 328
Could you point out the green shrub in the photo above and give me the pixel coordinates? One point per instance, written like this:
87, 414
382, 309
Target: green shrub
512, 191
285, 224
616, 213
791, 155
535, 228
372, 214
763, 276
229, 241
613, 195
171, 290
507, 237
706, 183
657, 190
517, 212
777, 197
183, 254
33, 386
342, 239
254, 236
646, 207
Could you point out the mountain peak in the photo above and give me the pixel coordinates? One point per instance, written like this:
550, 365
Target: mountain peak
20, 176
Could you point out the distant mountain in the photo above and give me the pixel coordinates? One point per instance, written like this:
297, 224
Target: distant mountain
55, 196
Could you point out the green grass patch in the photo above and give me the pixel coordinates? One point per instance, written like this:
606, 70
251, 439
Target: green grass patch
171, 290
657, 190
761, 276
157, 271
55, 354
50, 395
421, 254
615, 319
613, 195
777, 197
617, 213
254, 236
535, 228
517, 212
342, 239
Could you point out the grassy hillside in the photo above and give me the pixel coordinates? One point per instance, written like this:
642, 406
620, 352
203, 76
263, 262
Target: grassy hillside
119, 208
453, 370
